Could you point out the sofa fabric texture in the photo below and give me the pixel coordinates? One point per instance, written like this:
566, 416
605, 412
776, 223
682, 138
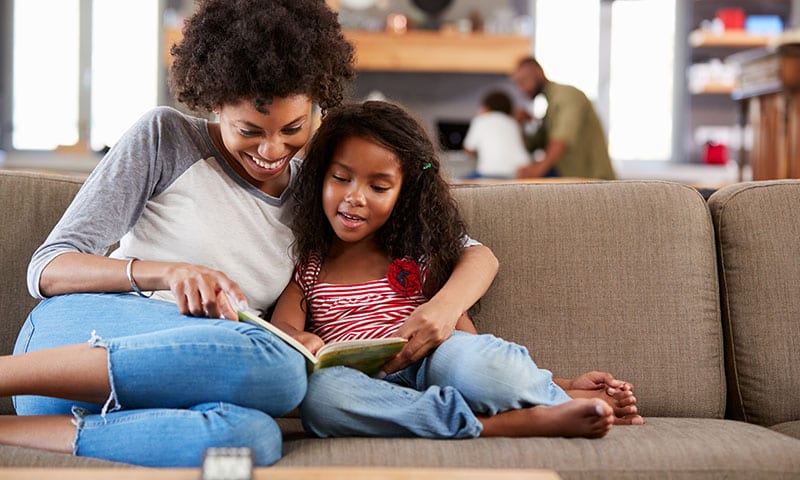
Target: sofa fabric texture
30, 205
694, 302
662, 448
589, 270
758, 238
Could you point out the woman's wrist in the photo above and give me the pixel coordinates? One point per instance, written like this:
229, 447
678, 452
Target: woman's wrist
154, 276
451, 304
134, 286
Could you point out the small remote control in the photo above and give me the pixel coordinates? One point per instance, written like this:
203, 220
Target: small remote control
228, 463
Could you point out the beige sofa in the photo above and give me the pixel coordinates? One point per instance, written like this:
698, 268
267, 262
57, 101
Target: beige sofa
630, 277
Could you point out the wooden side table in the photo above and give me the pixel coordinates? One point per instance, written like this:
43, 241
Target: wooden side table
281, 473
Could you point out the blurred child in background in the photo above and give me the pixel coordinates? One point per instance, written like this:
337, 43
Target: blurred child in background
495, 137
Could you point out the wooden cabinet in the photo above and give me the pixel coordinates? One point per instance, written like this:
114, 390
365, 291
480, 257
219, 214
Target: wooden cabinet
770, 94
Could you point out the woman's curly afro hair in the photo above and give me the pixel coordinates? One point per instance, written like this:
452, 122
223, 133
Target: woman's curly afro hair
425, 224
234, 50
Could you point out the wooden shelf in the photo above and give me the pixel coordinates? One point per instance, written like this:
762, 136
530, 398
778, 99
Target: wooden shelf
716, 88
424, 51
731, 38
428, 51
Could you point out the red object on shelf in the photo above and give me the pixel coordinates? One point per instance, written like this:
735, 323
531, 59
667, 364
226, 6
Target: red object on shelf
715, 153
732, 18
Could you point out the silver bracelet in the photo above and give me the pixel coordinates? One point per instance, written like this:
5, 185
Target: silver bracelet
135, 287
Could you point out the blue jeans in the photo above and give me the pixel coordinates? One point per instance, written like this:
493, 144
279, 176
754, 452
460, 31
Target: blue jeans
437, 397
179, 384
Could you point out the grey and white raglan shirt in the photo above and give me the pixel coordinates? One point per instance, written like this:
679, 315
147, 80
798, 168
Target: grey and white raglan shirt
166, 194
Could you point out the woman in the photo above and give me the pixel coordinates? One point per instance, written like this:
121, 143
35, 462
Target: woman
201, 213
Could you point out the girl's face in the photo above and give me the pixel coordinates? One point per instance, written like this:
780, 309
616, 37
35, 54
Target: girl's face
360, 189
259, 146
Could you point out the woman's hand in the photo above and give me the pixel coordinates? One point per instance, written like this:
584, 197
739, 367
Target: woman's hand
198, 290
204, 292
433, 322
426, 328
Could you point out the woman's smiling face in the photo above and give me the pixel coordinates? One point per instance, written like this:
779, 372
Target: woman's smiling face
259, 146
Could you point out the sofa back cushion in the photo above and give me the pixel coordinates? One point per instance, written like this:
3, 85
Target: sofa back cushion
30, 205
758, 236
616, 276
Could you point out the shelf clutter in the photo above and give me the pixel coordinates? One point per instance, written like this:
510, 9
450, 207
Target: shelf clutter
419, 37
725, 32
730, 30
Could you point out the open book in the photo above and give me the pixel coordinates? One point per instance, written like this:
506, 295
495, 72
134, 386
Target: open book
367, 355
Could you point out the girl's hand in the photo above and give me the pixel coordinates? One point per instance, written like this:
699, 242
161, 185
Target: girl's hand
615, 392
309, 340
426, 328
203, 292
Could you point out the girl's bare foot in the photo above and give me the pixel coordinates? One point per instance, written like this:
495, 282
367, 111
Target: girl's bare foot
581, 417
622, 402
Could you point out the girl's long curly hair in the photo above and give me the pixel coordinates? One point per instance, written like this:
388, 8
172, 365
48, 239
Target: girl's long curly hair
425, 223
235, 50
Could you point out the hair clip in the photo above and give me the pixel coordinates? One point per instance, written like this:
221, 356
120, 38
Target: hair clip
426, 166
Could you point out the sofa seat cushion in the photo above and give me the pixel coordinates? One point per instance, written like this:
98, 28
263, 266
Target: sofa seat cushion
663, 447
19, 457
788, 428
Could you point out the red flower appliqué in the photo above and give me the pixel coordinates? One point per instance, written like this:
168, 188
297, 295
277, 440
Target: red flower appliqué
404, 277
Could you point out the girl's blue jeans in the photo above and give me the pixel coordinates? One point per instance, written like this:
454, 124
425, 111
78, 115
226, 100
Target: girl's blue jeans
179, 384
438, 397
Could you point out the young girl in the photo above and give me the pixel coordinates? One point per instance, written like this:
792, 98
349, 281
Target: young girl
379, 235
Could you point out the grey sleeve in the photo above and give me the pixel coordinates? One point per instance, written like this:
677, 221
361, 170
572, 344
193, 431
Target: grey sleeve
110, 201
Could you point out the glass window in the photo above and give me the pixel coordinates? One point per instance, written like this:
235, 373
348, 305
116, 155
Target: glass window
125, 58
567, 42
45, 74
641, 79
639, 67
46, 85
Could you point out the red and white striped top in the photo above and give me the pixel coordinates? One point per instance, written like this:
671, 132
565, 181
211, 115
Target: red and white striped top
350, 311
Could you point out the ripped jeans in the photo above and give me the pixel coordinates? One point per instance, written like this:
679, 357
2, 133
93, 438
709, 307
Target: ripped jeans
179, 384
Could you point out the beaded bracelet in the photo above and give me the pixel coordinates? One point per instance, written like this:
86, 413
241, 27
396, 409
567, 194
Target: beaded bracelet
135, 287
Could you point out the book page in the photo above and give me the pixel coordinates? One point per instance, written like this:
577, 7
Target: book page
366, 355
